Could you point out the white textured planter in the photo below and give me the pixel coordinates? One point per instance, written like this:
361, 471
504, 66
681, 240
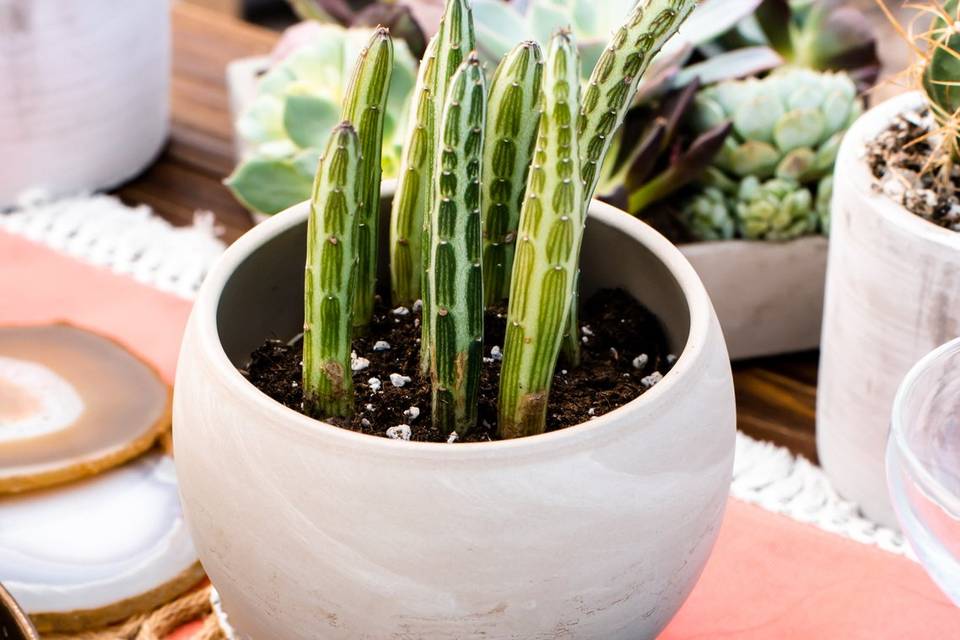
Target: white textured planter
893, 294
310, 531
768, 295
84, 92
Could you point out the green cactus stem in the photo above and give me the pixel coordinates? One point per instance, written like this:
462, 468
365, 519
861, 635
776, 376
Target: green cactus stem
455, 39
610, 92
514, 107
941, 83
365, 105
548, 250
330, 276
455, 284
413, 187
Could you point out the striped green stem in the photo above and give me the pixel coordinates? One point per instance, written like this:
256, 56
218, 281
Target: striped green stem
514, 113
365, 104
330, 276
610, 92
455, 284
413, 187
455, 39
548, 250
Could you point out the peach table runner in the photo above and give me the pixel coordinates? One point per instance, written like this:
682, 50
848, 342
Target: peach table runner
769, 576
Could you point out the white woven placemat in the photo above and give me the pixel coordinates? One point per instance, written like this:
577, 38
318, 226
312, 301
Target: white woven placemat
133, 241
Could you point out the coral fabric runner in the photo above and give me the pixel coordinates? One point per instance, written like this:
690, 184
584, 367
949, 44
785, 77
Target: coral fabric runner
769, 576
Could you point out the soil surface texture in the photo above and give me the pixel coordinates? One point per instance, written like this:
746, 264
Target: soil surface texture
624, 353
900, 160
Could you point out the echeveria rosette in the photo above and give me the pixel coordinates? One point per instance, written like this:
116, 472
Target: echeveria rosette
777, 209
708, 215
297, 105
787, 125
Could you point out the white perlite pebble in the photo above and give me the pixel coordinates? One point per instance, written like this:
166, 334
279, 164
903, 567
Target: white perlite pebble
452, 437
381, 345
412, 413
374, 384
671, 358
400, 311
417, 305
359, 364
364, 422
641, 361
495, 353
652, 379
586, 331
368, 407
584, 339
399, 432
398, 380
590, 411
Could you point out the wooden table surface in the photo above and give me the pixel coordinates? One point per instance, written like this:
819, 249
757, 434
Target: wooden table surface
775, 396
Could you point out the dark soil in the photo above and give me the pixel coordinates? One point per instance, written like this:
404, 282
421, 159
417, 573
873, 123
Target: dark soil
899, 159
616, 330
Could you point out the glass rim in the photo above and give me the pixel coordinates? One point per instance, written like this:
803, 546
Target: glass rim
947, 498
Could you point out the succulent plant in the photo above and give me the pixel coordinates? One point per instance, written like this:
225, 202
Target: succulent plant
709, 216
365, 104
297, 104
824, 35
787, 125
777, 209
395, 16
548, 250
511, 136
455, 40
449, 125
330, 276
822, 202
414, 184
455, 284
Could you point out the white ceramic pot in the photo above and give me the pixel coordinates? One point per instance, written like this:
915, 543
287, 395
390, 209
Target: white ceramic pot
893, 294
84, 92
768, 295
311, 531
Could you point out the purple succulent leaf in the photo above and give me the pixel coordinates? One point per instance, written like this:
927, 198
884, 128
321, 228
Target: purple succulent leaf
641, 162
674, 107
774, 17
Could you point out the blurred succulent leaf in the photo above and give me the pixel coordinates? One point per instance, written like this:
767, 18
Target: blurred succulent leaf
774, 18
498, 28
308, 119
708, 215
728, 65
399, 18
270, 185
709, 20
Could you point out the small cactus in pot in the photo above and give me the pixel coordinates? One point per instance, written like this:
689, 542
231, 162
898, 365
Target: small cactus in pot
479, 172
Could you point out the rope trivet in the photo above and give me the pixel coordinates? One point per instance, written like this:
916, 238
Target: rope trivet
161, 622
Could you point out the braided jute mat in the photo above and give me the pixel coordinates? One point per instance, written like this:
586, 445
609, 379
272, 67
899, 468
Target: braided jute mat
160, 623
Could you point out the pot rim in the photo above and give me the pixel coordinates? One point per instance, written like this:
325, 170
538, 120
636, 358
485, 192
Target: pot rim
851, 161
699, 309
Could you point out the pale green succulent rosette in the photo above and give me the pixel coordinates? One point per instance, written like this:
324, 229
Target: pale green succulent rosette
787, 125
708, 215
824, 195
778, 209
297, 105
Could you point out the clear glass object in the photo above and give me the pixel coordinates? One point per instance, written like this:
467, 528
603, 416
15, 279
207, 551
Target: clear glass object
923, 463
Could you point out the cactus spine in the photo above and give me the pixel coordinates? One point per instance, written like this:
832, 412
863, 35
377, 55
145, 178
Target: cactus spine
365, 104
514, 108
456, 288
610, 92
330, 275
548, 249
413, 186
455, 39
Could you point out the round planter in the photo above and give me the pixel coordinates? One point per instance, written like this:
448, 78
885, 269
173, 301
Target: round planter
892, 295
307, 530
84, 96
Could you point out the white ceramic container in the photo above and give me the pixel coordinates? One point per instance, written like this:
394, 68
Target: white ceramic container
893, 294
311, 531
84, 92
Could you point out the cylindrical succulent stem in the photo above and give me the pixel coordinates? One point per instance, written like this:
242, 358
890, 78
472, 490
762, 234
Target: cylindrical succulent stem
514, 113
455, 284
455, 39
613, 85
330, 276
365, 104
548, 250
413, 186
